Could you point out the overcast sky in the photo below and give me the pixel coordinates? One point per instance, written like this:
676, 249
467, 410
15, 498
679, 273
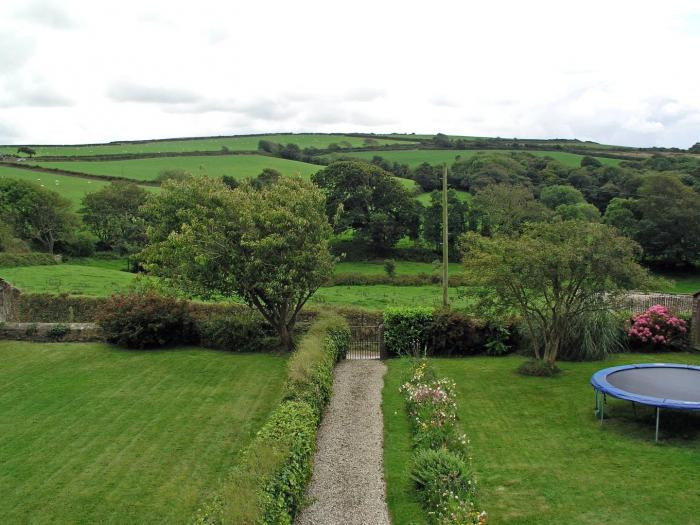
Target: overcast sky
619, 72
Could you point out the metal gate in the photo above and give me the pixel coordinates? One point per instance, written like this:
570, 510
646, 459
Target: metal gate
366, 342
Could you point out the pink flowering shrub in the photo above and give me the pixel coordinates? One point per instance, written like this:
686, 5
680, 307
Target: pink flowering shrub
657, 327
442, 465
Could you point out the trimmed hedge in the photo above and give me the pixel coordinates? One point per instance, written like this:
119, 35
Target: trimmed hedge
268, 484
8, 260
63, 308
424, 331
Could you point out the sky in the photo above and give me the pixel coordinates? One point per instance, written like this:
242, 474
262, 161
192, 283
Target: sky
615, 72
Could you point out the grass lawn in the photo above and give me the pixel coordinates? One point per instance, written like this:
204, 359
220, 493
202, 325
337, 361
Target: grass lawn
379, 296
687, 283
94, 434
417, 156
74, 279
208, 144
238, 166
402, 267
542, 458
425, 200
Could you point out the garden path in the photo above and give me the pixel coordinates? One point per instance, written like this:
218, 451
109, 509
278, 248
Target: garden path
348, 480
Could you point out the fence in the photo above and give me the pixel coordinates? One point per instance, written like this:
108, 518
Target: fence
638, 302
366, 342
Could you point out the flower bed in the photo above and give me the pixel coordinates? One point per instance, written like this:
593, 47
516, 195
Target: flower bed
442, 470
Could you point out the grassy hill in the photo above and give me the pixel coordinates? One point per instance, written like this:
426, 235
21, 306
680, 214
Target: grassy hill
233, 143
238, 166
414, 157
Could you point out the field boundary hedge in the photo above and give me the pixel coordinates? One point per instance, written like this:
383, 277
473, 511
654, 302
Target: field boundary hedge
9, 260
269, 482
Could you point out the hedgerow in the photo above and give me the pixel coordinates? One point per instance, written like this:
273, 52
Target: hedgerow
268, 484
442, 466
8, 260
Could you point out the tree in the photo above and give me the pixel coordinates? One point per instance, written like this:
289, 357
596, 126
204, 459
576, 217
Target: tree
506, 209
457, 212
551, 276
558, 194
695, 148
112, 214
427, 176
590, 162
621, 214
669, 221
269, 247
266, 177
36, 214
365, 198
442, 141
581, 211
27, 150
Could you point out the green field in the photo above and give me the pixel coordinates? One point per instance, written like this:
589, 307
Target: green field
233, 143
542, 458
687, 283
424, 198
402, 268
379, 296
68, 278
93, 434
238, 166
415, 157
72, 188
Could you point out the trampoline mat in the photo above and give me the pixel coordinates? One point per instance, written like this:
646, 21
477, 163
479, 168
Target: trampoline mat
679, 384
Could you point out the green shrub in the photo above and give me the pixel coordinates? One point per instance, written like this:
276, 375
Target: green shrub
8, 260
450, 332
57, 332
405, 329
63, 308
240, 331
146, 321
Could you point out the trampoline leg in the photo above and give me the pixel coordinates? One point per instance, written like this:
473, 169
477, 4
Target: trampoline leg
602, 409
656, 439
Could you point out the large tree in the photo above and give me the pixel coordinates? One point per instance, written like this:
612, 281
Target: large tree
365, 198
269, 247
112, 214
552, 275
457, 219
37, 214
506, 209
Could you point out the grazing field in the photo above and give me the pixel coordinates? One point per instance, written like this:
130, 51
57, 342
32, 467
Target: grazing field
379, 296
233, 143
238, 166
415, 157
68, 278
687, 283
402, 267
72, 188
90, 433
542, 458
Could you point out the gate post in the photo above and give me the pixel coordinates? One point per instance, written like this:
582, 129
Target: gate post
382, 346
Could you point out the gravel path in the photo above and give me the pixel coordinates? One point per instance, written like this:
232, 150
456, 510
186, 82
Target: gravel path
348, 480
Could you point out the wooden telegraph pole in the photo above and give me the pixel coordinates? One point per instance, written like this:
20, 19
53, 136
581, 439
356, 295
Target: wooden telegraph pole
445, 242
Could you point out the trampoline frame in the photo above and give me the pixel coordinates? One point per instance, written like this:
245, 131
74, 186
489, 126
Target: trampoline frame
601, 385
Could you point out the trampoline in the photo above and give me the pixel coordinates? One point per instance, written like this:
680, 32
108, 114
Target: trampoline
660, 385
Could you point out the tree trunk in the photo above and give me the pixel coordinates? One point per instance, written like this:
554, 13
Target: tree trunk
285, 336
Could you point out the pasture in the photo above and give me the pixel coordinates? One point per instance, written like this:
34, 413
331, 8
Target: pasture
414, 157
94, 434
71, 279
237, 166
542, 458
72, 188
233, 143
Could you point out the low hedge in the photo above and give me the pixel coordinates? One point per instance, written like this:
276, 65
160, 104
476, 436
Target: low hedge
8, 260
425, 331
268, 484
63, 308
418, 279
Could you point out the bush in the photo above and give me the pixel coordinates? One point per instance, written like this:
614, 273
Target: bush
538, 368
146, 321
657, 329
57, 332
242, 331
405, 329
593, 335
63, 308
8, 260
81, 245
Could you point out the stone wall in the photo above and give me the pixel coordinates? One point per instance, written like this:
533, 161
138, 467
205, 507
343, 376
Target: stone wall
51, 332
9, 301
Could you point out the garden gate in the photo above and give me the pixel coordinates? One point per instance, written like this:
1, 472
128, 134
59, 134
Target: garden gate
366, 342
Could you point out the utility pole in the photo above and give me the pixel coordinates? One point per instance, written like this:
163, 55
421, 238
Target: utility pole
445, 243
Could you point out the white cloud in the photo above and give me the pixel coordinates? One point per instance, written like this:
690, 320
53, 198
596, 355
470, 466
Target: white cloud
618, 72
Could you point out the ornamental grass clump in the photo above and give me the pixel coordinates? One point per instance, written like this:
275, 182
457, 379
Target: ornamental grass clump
441, 469
658, 328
